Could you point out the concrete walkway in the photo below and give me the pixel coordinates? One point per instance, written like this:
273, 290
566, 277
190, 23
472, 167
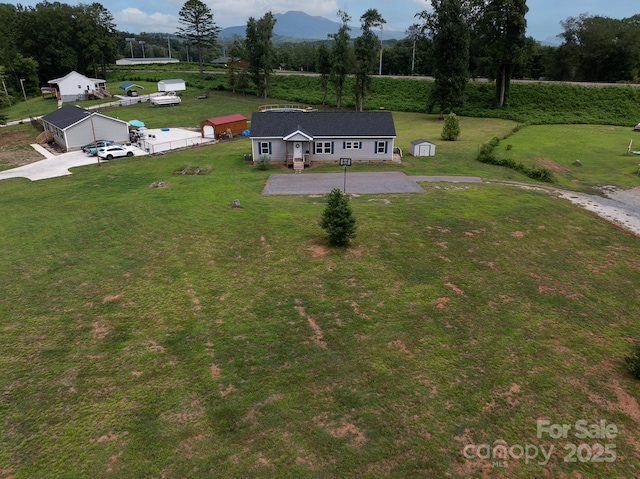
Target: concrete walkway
360, 183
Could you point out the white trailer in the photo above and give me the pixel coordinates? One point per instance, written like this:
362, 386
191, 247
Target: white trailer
175, 84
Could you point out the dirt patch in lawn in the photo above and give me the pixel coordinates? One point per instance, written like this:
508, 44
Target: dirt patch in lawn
550, 165
342, 428
398, 344
318, 335
15, 149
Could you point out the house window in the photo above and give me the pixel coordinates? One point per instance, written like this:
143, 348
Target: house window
265, 148
323, 147
381, 147
352, 145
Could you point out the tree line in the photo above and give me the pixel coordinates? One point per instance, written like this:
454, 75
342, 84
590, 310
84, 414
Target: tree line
454, 41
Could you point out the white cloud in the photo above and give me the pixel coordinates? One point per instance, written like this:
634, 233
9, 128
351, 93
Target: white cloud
135, 21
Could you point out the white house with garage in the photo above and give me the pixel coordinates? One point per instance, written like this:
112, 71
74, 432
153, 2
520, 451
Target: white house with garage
73, 127
300, 138
74, 87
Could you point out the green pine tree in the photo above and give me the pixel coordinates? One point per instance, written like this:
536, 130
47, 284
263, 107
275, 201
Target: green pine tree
337, 219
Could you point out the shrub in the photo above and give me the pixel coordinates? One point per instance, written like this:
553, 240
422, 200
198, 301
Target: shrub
487, 155
451, 128
263, 163
337, 219
633, 362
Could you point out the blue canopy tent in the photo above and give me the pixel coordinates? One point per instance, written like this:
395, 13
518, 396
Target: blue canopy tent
136, 123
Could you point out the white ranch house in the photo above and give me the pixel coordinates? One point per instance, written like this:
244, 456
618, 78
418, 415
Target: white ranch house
73, 127
75, 86
298, 139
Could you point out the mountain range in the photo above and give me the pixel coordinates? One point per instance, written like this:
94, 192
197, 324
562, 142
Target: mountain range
301, 25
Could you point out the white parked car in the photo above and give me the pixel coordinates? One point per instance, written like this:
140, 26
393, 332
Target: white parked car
115, 151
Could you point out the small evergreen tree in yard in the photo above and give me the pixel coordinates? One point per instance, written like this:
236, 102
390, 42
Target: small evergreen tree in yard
337, 219
633, 362
451, 128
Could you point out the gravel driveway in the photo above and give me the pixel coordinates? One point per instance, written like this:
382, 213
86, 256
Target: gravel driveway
359, 183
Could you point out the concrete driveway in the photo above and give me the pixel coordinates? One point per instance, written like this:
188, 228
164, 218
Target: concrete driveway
359, 183
54, 165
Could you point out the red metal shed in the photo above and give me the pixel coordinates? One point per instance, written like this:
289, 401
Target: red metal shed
212, 127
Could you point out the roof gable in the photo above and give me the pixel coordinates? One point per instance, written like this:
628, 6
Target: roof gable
298, 135
221, 120
69, 115
323, 124
66, 116
75, 74
420, 142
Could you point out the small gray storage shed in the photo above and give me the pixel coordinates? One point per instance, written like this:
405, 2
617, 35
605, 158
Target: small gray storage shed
422, 148
176, 84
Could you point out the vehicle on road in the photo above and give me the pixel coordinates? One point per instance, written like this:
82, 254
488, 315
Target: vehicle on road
115, 151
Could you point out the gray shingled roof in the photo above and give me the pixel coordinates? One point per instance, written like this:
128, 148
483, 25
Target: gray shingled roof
66, 116
323, 124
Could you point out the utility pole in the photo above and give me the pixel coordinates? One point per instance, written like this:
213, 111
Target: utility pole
130, 40
142, 42
169, 46
380, 69
22, 80
413, 56
95, 142
5, 89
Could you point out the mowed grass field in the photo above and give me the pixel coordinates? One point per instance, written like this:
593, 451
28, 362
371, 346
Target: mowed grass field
601, 150
160, 332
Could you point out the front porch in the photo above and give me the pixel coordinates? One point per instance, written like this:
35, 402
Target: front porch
298, 164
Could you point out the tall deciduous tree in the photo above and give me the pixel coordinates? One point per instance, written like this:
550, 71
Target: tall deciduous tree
365, 48
448, 28
96, 36
323, 68
600, 49
504, 27
340, 56
198, 27
260, 52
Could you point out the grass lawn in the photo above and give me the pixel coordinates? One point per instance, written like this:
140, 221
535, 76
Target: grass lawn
601, 149
160, 332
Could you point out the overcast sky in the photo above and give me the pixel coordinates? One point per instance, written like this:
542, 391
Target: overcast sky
543, 19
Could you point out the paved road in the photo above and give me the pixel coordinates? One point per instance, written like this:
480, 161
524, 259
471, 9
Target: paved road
360, 183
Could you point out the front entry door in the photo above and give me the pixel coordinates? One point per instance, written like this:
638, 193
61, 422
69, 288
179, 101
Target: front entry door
297, 149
